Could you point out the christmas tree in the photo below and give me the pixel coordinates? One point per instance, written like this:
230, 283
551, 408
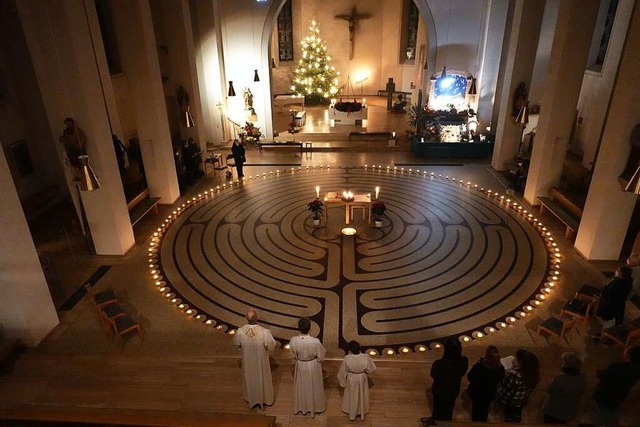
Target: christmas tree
315, 78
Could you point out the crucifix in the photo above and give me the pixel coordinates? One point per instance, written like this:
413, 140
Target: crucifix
351, 19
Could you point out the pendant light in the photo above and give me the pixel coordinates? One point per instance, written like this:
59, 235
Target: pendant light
523, 114
634, 185
473, 90
256, 77
88, 178
232, 91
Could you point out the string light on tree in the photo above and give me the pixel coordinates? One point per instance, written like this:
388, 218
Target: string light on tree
315, 78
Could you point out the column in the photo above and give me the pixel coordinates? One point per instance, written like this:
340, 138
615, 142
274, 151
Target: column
177, 27
139, 53
209, 67
491, 50
569, 52
521, 55
26, 309
608, 209
64, 43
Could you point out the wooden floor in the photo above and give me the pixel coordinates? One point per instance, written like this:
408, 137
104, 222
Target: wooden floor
183, 365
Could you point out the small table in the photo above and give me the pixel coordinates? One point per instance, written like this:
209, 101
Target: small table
359, 201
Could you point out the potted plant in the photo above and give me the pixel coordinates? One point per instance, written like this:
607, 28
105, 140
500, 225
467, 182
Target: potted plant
378, 210
315, 207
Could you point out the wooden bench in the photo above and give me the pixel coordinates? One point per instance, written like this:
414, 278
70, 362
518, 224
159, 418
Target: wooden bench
30, 415
141, 205
370, 135
262, 144
563, 209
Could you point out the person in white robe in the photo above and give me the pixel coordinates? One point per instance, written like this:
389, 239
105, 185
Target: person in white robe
307, 352
353, 376
255, 341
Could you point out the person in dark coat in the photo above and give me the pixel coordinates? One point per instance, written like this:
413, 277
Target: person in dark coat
615, 382
447, 373
613, 296
237, 149
484, 378
565, 391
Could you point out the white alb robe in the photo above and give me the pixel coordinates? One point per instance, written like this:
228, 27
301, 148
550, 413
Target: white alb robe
255, 341
353, 376
308, 352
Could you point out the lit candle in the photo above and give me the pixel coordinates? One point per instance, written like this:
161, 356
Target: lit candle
377, 192
317, 191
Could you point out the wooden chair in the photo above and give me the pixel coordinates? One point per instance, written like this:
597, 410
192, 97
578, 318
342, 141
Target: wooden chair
623, 334
101, 299
558, 327
110, 313
590, 294
577, 308
123, 325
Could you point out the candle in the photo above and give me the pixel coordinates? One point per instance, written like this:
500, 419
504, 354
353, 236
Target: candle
317, 191
377, 192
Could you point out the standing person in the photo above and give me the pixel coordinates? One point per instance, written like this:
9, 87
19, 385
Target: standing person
633, 262
307, 352
615, 382
484, 378
237, 149
447, 373
518, 384
354, 377
613, 298
255, 341
565, 391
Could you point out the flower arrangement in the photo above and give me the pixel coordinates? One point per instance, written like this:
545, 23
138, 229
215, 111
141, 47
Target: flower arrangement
378, 210
250, 133
315, 207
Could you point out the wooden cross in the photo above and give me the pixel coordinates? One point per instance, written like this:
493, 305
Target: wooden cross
351, 19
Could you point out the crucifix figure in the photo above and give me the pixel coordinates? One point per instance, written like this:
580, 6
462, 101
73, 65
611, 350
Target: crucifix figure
351, 19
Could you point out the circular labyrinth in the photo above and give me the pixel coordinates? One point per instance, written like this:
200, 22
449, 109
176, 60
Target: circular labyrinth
451, 259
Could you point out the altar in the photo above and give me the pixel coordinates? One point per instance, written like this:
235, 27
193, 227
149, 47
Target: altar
343, 112
359, 201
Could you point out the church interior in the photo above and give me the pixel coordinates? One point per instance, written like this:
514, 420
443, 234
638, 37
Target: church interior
414, 171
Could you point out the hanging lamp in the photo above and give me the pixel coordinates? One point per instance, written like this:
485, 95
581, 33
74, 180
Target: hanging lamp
634, 185
256, 77
232, 91
473, 90
88, 178
523, 114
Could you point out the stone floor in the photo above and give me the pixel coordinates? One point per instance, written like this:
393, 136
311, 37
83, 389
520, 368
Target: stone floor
184, 364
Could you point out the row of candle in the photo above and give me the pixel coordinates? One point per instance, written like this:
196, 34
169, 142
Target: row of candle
192, 313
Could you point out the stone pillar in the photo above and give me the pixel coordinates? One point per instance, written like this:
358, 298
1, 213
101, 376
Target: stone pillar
491, 50
177, 28
139, 53
210, 66
64, 41
569, 52
608, 209
521, 54
26, 308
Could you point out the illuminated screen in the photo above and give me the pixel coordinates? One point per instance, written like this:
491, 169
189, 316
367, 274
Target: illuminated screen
451, 86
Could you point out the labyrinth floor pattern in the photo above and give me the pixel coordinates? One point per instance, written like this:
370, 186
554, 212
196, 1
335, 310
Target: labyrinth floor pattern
450, 259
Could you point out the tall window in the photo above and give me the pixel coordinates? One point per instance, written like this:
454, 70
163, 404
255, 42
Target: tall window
285, 33
606, 34
409, 35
